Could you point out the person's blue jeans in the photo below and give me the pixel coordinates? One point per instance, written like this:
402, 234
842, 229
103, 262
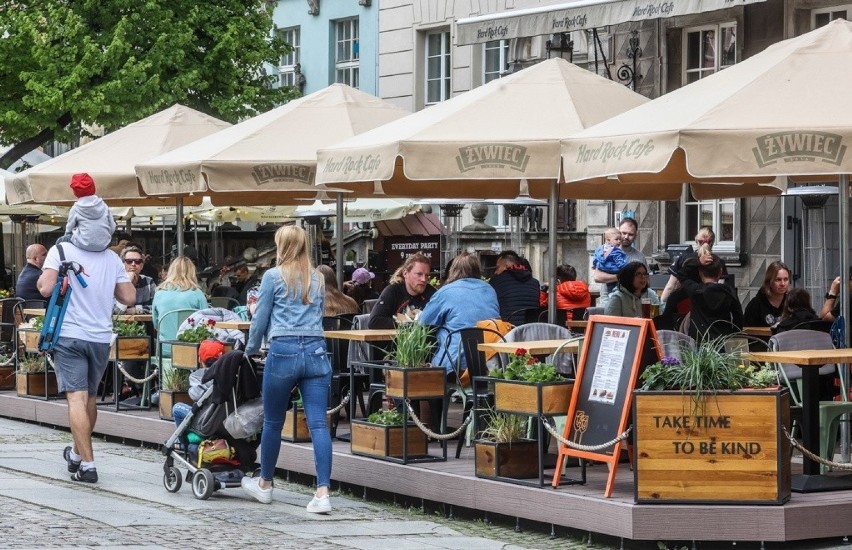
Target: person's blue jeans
296, 361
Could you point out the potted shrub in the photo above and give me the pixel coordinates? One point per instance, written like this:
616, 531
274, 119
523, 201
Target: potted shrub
381, 435
527, 386
132, 342
33, 377
502, 449
699, 418
411, 376
185, 349
29, 332
174, 388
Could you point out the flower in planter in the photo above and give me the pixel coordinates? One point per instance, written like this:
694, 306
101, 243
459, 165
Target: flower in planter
198, 331
4, 293
524, 367
129, 328
386, 417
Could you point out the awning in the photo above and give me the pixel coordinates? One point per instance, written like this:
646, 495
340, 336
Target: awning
578, 15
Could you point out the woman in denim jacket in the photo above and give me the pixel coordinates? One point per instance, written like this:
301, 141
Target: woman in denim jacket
289, 314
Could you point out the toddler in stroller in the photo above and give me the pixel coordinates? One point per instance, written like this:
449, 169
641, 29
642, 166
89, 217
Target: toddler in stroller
213, 457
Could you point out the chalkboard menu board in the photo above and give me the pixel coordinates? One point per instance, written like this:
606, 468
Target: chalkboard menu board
614, 352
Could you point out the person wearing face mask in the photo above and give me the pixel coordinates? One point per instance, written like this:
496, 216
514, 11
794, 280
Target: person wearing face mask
409, 288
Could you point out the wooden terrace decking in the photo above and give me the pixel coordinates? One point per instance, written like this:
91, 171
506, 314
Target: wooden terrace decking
805, 516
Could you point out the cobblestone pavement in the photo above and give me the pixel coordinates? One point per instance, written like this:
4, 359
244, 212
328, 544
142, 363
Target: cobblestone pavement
130, 508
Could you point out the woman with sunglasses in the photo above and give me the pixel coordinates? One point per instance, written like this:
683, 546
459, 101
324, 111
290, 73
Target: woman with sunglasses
179, 290
633, 286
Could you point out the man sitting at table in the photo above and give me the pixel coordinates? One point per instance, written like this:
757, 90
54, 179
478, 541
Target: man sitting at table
407, 294
134, 262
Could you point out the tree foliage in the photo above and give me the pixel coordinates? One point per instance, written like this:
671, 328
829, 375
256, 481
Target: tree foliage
69, 63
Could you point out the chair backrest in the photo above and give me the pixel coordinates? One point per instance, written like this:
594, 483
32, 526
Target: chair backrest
359, 351
167, 325
564, 363
523, 316
798, 339
561, 316
8, 320
225, 302
470, 338
594, 310
338, 348
367, 306
673, 342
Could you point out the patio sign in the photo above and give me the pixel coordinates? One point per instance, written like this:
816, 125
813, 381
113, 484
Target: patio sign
400, 248
616, 349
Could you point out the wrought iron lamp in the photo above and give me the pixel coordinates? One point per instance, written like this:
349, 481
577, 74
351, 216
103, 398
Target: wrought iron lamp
630, 72
560, 42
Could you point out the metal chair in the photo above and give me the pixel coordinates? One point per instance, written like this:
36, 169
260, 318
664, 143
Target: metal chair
338, 350
523, 316
829, 411
673, 342
545, 331
225, 302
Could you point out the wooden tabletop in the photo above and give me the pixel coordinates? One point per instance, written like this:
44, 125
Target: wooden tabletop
233, 325
139, 317
578, 324
758, 331
534, 347
802, 357
366, 335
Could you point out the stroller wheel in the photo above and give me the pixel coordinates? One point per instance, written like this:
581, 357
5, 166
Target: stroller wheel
172, 480
203, 484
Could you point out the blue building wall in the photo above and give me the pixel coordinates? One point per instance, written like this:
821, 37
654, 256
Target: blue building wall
317, 39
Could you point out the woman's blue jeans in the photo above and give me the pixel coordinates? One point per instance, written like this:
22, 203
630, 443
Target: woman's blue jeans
296, 361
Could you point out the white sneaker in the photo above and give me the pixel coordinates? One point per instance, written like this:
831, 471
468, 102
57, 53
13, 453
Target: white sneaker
251, 486
319, 505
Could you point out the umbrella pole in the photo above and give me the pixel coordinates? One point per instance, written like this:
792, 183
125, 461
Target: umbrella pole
338, 231
551, 244
163, 225
179, 224
843, 218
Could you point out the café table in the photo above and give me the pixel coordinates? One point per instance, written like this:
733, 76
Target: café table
534, 347
762, 332
358, 335
810, 361
138, 317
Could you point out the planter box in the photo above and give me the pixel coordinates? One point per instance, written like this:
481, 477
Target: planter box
532, 398
418, 383
734, 452
7, 378
517, 460
29, 337
185, 354
386, 441
33, 383
295, 427
128, 348
167, 400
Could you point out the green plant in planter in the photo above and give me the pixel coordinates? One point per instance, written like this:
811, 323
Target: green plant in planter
413, 345
31, 363
386, 417
36, 322
129, 328
174, 379
761, 377
526, 368
503, 427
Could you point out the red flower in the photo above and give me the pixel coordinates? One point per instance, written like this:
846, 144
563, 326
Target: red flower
211, 322
520, 351
532, 361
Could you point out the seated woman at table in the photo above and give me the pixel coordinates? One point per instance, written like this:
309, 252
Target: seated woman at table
461, 301
766, 308
336, 302
633, 287
798, 312
180, 290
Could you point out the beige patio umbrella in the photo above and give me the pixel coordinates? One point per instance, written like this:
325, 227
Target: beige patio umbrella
111, 159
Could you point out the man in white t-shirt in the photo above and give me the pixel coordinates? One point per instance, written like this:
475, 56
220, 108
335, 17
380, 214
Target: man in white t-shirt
82, 349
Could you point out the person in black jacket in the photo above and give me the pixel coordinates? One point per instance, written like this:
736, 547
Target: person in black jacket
798, 313
409, 288
517, 290
26, 287
715, 308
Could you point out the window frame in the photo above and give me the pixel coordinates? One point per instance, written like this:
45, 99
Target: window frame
847, 8
347, 70
687, 203
287, 63
501, 48
444, 78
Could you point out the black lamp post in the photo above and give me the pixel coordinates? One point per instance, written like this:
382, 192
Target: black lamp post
634, 52
560, 42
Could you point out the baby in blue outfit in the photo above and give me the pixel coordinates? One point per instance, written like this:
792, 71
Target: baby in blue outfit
609, 257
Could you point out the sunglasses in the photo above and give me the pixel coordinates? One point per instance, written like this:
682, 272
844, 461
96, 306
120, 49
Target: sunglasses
133, 261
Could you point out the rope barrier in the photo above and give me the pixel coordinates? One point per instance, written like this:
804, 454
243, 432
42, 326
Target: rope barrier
339, 407
552, 431
830, 463
425, 429
130, 377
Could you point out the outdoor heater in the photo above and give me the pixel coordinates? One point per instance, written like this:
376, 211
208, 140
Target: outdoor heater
515, 210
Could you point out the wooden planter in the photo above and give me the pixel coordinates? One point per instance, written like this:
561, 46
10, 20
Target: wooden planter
128, 348
416, 383
185, 354
295, 427
532, 398
735, 451
370, 439
167, 400
33, 384
517, 460
29, 337
7, 378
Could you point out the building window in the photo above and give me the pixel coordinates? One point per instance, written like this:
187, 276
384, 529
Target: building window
823, 16
438, 67
709, 49
495, 60
346, 59
287, 65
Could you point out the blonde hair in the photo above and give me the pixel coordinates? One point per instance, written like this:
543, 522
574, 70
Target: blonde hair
181, 275
705, 238
294, 261
464, 266
408, 265
612, 232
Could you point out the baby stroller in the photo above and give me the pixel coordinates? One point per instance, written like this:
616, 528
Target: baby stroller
227, 384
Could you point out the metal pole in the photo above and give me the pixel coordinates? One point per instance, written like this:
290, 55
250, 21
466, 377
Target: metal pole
843, 215
551, 243
338, 232
163, 225
179, 224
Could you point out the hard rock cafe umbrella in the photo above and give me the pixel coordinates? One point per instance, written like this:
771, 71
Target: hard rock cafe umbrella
783, 112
